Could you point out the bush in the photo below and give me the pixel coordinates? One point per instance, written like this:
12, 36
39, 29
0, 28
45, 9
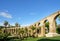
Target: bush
58, 30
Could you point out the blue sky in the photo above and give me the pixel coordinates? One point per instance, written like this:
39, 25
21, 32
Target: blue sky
26, 12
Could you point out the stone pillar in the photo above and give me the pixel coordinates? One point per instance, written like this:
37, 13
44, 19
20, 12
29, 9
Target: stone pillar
52, 27
43, 30
11, 31
15, 31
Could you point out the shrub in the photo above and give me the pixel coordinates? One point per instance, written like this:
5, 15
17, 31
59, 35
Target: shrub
58, 30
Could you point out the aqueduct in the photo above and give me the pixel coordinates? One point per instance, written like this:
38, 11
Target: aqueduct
52, 24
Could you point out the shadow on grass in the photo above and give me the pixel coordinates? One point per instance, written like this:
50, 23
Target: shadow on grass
47, 40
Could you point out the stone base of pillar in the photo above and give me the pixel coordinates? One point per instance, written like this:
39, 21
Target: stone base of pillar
39, 35
52, 34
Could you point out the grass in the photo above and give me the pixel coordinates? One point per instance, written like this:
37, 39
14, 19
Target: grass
44, 39
40, 39
31, 39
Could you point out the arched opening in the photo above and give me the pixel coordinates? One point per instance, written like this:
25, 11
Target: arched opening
35, 25
57, 23
38, 24
39, 29
46, 26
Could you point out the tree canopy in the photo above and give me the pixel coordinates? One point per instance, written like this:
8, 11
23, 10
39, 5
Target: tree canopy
59, 17
5, 23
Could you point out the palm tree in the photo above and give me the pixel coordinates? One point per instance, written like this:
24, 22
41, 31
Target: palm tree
5, 24
5, 34
17, 25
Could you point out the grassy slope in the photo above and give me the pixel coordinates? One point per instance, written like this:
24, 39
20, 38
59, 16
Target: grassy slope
31, 39
40, 39
44, 39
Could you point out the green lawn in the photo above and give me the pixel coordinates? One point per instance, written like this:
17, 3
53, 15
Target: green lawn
44, 39
40, 39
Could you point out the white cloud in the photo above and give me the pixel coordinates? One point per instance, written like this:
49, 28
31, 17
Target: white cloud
5, 14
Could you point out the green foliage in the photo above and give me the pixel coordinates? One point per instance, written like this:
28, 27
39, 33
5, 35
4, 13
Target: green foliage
34, 31
33, 28
26, 30
59, 17
3, 37
22, 30
21, 33
47, 24
17, 25
58, 29
5, 23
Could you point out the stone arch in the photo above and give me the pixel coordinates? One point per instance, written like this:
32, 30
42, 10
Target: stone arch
46, 23
52, 25
39, 24
55, 21
56, 16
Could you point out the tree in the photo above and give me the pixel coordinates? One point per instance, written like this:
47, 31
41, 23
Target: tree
47, 24
59, 17
0, 30
4, 36
5, 23
58, 29
47, 27
30, 33
26, 31
21, 32
33, 29
17, 25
